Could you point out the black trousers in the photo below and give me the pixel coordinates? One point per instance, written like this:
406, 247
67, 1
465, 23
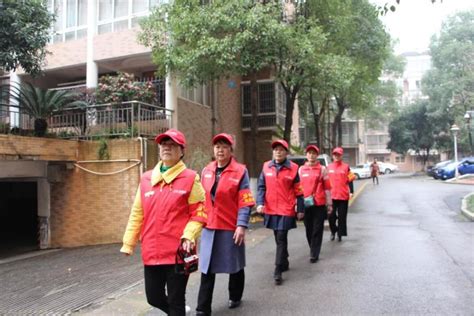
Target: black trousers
375, 178
206, 289
159, 277
281, 240
314, 217
339, 215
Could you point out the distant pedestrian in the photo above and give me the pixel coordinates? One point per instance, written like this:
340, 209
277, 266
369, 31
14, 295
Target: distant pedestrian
374, 171
228, 202
168, 213
317, 200
341, 191
279, 190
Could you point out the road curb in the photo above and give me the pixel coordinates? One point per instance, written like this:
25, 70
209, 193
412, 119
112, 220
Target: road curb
464, 209
356, 195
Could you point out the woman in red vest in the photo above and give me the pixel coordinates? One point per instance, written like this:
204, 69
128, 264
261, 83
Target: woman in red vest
317, 200
341, 191
279, 189
228, 201
168, 213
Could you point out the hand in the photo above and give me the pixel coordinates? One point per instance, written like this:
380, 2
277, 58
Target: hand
350, 196
187, 245
239, 235
299, 216
260, 209
329, 207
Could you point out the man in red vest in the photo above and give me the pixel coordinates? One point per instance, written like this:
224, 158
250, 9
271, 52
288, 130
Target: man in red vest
168, 213
279, 189
317, 200
228, 202
341, 190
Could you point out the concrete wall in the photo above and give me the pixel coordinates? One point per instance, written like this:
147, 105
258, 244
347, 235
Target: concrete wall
37, 148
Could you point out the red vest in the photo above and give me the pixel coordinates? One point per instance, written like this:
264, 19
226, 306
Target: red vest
165, 214
223, 212
314, 183
338, 175
281, 189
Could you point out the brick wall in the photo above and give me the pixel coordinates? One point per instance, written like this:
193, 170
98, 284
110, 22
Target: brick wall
37, 148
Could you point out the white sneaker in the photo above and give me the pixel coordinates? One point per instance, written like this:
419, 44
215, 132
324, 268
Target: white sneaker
187, 310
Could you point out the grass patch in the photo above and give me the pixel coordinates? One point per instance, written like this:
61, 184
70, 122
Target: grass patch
470, 203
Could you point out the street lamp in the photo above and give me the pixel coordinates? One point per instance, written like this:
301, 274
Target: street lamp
467, 118
455, 129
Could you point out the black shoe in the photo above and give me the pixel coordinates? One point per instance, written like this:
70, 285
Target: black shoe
333, 236
313, 260
201, 313
234, 304
278, 279
339, 238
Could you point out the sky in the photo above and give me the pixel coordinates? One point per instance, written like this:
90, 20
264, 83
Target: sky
415, 21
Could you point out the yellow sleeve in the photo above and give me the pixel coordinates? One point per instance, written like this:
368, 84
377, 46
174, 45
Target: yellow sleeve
134, 226
192, 231
197, 192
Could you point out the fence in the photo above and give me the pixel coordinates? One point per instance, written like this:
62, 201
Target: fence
127, 119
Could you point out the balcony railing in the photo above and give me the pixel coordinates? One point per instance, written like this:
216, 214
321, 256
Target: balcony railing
264, 121
127, 119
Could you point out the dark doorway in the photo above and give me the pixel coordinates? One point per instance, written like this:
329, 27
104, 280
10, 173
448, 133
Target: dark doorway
19, 218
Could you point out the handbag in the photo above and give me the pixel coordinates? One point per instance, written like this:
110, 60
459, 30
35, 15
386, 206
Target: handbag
190, 259
309, 201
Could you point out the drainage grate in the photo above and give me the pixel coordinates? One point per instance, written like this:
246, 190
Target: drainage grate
66, 281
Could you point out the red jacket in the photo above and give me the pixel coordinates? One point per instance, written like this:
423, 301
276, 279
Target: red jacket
223, 212
338, 173
166, 212
281, 189
314, 182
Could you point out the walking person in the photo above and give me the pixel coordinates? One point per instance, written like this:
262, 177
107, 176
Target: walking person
317, 200
341, 191
228, 201
279, 189
168, 213
374, 171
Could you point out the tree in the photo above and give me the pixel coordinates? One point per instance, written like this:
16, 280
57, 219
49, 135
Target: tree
41, 104
24, 33
450, 82
413, 129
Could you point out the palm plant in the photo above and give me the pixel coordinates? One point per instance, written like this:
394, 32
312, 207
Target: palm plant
41, 104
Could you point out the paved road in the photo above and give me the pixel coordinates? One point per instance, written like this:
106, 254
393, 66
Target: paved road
408, 252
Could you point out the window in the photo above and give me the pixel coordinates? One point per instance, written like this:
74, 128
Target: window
71, 19
200, 94
266, 98
400, 159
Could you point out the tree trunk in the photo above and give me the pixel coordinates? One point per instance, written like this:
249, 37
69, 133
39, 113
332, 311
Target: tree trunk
316, 118
41, 126
253, 124
341, 106
290, 106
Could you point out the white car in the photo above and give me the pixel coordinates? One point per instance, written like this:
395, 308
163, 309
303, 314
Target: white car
387, 168
361, 171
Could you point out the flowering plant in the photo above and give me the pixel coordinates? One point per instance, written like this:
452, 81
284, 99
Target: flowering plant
123, 87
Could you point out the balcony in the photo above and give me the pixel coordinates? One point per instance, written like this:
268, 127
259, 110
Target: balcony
128, 119
378, 149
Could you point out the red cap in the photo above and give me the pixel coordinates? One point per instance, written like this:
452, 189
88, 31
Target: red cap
338, 151
223, 136
281, 142
314, 147
175, 136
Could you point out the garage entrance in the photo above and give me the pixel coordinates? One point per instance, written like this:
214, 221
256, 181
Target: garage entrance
19, 217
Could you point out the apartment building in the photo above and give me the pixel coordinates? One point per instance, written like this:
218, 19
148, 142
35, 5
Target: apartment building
71, 206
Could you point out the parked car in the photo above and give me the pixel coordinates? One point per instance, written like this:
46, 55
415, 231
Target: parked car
435, 170
386, 168
464, 166
300, 159
361, 171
